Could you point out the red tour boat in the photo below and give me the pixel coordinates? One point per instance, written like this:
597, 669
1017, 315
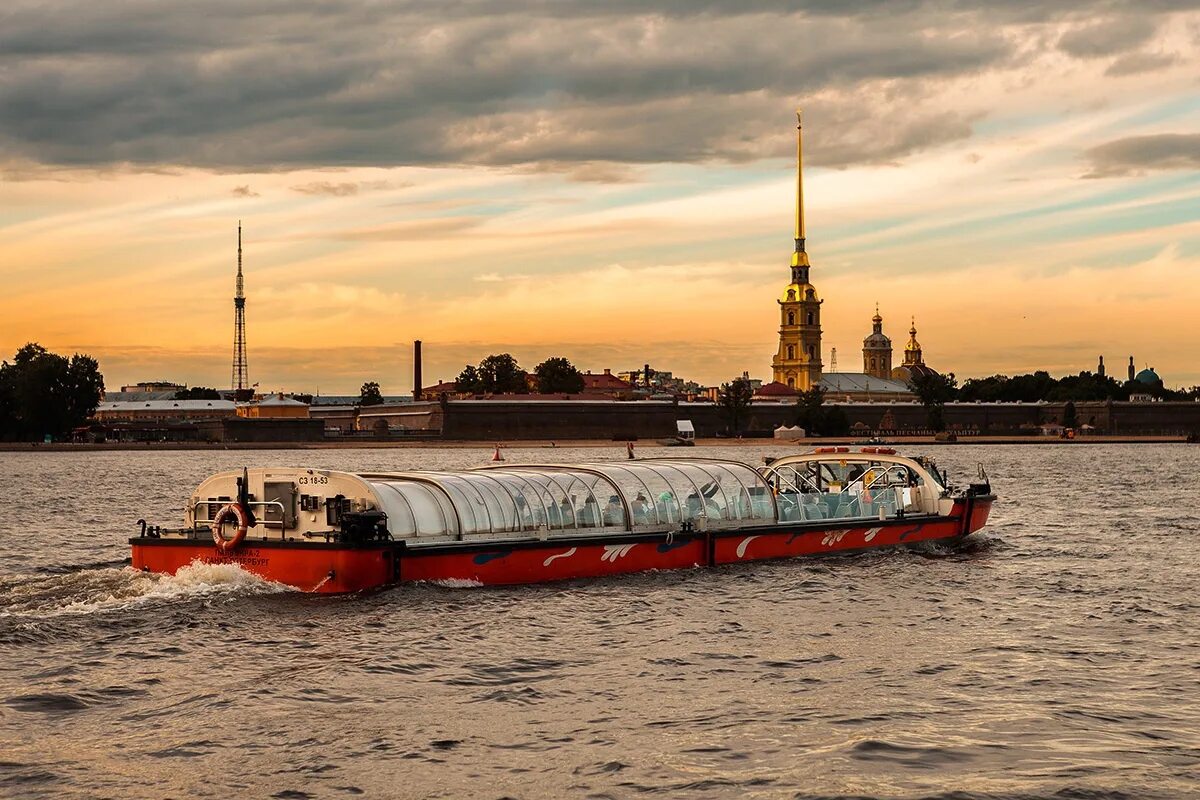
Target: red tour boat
327, 531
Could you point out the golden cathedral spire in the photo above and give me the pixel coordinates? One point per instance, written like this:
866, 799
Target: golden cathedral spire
801, 257
797, 363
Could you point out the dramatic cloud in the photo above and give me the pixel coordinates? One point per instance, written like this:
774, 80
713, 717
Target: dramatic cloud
1136, 63
609, 181
1108, 37
267, 85
1136, 154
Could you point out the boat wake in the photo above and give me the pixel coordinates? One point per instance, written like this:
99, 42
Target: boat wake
456, 583
91, 591
976, 544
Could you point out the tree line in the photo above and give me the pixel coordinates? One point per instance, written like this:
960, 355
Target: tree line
501, 374
734, 399
1040, 385
45, 394
934, 390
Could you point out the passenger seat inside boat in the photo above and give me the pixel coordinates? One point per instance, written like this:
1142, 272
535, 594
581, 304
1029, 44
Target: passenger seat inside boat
668, 511
614, 512
588, 515
640, 509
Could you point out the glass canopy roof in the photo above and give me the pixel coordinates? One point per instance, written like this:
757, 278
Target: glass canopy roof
608, 497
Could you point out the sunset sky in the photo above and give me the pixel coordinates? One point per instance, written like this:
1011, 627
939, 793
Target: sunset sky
608, 181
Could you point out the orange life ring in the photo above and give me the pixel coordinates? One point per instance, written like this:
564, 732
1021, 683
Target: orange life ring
243, 521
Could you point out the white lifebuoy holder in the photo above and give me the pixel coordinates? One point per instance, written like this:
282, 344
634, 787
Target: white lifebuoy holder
243, 523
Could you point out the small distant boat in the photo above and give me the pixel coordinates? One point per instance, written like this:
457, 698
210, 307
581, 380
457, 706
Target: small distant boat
328, 531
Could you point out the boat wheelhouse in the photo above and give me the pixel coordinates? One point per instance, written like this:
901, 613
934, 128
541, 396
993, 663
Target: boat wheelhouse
331, 531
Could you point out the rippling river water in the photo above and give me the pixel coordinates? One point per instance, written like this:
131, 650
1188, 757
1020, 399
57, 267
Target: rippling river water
1055, 655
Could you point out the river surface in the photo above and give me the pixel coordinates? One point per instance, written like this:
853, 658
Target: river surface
1054, 655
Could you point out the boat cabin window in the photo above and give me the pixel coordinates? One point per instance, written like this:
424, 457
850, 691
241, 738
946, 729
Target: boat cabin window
615, 496
844, 488
415, 509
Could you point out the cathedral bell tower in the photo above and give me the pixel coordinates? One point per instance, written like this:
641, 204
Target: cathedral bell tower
797, 363
877, 350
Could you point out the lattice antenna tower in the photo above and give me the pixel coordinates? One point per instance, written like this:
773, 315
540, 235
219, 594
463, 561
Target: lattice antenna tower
241, 380
833, 360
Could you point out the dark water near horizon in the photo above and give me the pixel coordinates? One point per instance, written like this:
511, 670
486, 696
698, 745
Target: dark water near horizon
1054, 655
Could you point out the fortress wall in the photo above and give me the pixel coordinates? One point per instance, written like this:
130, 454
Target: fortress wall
243, 429
498, 419
655, 420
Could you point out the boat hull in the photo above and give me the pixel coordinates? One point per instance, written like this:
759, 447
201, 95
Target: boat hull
310, 567
337, 568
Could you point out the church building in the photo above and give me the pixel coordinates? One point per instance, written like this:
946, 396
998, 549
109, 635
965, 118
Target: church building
877, 350
914, 363
797, 365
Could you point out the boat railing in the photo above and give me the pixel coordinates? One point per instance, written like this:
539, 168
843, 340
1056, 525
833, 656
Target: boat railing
886, 474
280, 523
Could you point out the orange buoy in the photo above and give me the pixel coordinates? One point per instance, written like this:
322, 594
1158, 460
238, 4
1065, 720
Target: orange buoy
496, 455
243, 524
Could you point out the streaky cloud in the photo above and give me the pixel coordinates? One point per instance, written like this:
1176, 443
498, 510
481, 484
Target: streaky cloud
1137, 154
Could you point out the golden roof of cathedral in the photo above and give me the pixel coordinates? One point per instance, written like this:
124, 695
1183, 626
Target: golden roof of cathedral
799, 292
913, 344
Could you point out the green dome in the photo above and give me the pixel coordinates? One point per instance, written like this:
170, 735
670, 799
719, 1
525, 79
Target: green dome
1148, 376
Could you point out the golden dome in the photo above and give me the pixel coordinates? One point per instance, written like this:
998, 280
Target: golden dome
913, 345
795, 292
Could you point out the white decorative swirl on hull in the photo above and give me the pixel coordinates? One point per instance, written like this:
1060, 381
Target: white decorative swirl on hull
614, 551
743, 544
871, 534
567, 554
834, 537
